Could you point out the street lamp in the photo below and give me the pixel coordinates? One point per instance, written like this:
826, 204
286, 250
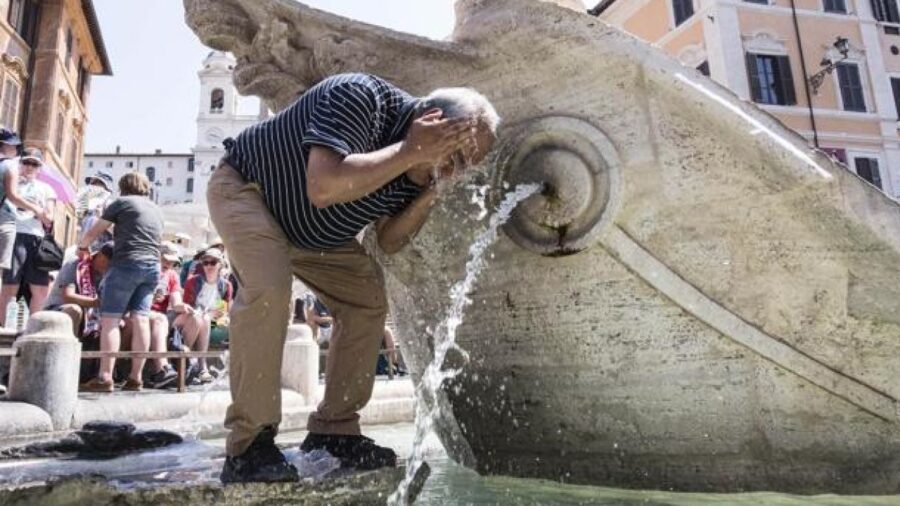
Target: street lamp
842, 45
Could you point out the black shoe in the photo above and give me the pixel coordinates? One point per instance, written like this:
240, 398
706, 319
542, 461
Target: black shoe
263, 462
353, 451
161, 378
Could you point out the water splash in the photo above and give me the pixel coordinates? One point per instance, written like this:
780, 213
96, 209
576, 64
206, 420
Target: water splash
434, 376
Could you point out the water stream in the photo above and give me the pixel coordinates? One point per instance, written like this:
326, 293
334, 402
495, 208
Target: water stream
435, 374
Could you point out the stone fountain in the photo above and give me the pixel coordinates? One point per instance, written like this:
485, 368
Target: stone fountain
697, 301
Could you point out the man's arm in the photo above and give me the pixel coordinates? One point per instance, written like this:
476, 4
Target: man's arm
395, 232
333, 178
88, 238
71, 296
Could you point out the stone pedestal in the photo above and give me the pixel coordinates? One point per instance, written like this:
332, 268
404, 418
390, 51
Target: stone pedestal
45, 372
300, 367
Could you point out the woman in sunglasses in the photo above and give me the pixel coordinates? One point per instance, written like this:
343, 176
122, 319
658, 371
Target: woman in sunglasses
209, 295
30, 229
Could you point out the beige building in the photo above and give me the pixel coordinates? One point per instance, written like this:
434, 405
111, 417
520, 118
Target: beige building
770, 52
50, 50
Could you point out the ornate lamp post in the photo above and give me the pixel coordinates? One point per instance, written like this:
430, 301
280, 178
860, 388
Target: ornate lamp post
842, 45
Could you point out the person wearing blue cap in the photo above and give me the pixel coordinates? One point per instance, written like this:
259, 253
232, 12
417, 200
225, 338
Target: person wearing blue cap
10, 199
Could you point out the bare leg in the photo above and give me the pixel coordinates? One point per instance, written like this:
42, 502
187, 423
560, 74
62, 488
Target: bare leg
159, 330
39, 294
203, 340
110, 340
76, 313
391, 348
7, 294
140, 341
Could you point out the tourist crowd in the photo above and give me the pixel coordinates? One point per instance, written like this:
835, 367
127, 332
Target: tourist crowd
126, 290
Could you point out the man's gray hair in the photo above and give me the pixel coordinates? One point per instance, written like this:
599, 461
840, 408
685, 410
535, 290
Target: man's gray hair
461, 102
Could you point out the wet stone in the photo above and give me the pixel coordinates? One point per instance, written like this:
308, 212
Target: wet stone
97, 440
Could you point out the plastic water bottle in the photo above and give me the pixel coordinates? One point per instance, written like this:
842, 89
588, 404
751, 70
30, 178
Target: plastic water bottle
24, 314
12, 314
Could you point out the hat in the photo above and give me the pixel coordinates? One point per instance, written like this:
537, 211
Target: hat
106, 249
9, 137
103, 178
169, 252
213, 253
216, 243
32, 154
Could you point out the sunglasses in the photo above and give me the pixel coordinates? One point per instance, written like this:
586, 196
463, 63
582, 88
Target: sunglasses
31, 163
208, 263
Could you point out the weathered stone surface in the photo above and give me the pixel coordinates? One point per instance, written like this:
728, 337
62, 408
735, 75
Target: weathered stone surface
697, 301
300, 365
18, 418
357, 489
45, 371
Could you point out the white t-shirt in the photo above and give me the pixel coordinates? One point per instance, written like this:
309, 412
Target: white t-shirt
38, 192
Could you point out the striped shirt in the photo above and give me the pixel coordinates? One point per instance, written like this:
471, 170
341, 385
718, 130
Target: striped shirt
348, 113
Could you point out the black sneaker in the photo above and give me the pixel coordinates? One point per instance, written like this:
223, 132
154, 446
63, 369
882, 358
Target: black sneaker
353, 451
161, 378
263, 462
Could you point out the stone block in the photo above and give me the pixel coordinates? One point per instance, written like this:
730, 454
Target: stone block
300, 367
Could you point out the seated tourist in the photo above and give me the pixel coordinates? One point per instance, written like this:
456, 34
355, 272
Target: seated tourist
76, 291
208, 297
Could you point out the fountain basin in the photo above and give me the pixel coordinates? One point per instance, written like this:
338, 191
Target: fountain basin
698, 301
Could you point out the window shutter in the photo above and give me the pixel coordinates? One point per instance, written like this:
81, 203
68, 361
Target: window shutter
787, 81
851, 87
753, 76
876, 174
895, 87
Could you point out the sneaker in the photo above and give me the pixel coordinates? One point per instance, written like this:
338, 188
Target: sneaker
162, 378
96, 385
205, 377
353, 451
263, 462
132, 386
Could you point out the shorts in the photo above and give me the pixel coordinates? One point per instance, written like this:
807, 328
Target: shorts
22, 268
129, 287
7, 242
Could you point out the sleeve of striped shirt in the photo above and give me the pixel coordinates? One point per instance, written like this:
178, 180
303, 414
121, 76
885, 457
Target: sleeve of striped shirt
345, 119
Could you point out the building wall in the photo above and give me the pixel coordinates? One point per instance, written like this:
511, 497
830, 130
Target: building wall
173, 175
722, 32
45, 87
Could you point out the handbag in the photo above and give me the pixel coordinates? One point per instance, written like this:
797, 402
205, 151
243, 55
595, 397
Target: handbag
49, 256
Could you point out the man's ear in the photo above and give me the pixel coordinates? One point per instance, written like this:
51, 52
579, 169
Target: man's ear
434, 113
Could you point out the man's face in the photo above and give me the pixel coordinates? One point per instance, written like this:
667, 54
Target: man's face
483, 142
8, 150
166, 264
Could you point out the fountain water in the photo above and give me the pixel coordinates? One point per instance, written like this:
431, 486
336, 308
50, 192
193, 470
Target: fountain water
437, 373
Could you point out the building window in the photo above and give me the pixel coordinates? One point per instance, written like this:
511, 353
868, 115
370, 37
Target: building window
703, 68
190, 185
169, 181
129, 165
217, 100
84, 78
23, 18
68, 234
761, 2
683, 10
169, 164
90, 164
60, 133
867, 168
886, 11
851, 87
839, 6
109, 165
771, 81
69, 43
151, 174
895, 87
9, 114
190, 165
73, 157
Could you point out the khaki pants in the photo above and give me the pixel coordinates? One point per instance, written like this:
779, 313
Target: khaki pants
346, 279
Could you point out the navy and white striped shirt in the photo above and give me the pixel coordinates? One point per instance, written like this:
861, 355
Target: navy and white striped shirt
349, 113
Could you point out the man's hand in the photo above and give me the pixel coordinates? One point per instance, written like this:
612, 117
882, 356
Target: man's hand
431, 140
84, 254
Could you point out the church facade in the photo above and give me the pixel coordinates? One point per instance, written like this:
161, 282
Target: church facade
181, 178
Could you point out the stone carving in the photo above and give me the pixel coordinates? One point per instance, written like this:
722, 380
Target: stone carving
697, 300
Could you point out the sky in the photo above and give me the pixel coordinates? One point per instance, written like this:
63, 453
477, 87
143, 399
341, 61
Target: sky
151, 101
